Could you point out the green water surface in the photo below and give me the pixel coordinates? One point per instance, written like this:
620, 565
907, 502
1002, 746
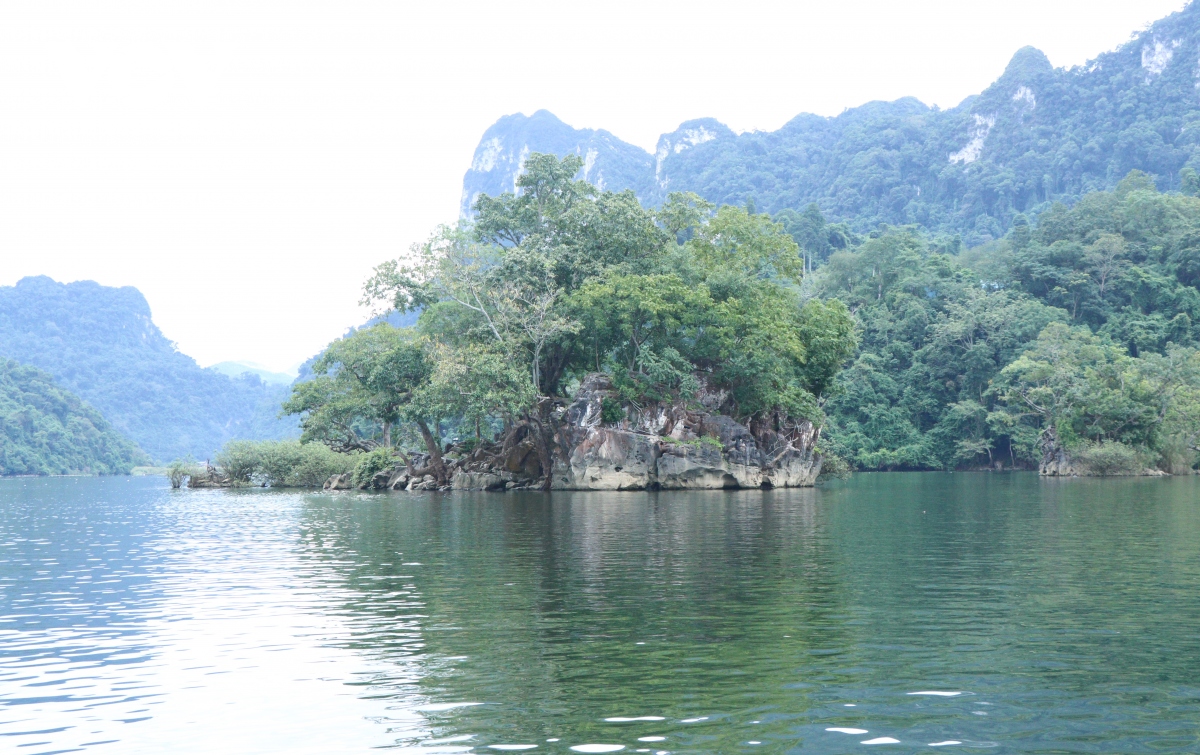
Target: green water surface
946, 612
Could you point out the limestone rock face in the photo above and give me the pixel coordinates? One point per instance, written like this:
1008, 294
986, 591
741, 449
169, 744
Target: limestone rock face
661, 446
673, 447
464, 480
1056, 462
339, 482
607, 459
682, 467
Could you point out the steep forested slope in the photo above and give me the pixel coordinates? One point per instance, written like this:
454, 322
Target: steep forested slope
47, 430
1085, 323
1035, 136
101, 344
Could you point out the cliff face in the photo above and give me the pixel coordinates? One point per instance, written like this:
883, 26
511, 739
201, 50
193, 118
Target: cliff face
1056, 462
672, 447
658, 447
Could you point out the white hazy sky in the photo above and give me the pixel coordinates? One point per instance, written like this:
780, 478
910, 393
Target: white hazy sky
245, 164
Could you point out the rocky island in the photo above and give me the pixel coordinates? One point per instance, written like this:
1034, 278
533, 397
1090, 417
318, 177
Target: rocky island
658, 447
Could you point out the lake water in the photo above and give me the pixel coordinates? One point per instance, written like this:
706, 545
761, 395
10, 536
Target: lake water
918, 612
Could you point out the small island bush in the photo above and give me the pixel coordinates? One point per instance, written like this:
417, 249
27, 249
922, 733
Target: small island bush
286, 463
180, 470
1109, 459
370, 464
611, 412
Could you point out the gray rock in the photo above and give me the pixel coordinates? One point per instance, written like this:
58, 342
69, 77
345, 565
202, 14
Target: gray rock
1056, 462
398, 479
463, 480
662, 446
339, 482
609, 459
380, 480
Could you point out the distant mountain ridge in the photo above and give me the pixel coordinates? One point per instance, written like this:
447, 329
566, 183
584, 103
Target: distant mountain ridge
1037, 135
608, 161
237, 369
101, 344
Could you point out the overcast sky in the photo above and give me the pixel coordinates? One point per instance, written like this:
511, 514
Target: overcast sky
245, 164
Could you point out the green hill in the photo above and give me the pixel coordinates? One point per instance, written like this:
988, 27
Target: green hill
101, 344
48, 430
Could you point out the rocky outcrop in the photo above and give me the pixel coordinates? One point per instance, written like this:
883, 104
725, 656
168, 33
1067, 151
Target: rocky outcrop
677, 447
660, 446
1109, 459
1056, 462
211, 477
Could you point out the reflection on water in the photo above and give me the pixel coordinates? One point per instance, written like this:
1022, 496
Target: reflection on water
892, 611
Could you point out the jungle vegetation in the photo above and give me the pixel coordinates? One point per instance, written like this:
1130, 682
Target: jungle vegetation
1085, 323
1036, 136
562, 279
912, 352
48, 430
100, 343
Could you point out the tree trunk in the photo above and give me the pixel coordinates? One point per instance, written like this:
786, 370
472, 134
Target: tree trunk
387, 434
543, 433
435, 452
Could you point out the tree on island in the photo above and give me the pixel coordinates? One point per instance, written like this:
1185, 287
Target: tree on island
560, 279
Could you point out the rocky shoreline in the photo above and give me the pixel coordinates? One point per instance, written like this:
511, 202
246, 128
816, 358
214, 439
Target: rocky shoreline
656, 447
659, 446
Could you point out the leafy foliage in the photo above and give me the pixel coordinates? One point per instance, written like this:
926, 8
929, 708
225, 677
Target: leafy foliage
566, 279
1083, 324
560, 279
180, 469
48, 430
285, 463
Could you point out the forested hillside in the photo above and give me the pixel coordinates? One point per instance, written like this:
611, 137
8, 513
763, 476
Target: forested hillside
101, 344
47, 430
1085, 324
1036, 136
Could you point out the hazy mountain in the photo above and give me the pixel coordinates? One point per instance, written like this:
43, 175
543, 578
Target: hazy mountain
102, 344
47, 430
237, 369
609, 163
1039, 134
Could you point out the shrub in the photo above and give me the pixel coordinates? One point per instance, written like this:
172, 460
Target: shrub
833, 466
293, 464
317, 464
181, 469
239, 460
372, 463
611, 411
1108, 458
284, 463
703, 440
1178, 457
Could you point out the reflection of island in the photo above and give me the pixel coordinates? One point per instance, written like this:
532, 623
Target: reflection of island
538, 604
801, 609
